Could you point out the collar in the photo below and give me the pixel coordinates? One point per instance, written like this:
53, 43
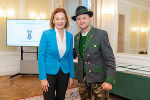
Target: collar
56, 30
87, 32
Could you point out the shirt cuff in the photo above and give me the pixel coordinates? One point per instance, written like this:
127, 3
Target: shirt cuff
110, 79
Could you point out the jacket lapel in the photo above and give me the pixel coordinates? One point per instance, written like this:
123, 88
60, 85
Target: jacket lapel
89, 38
67, 43
55, 45
77, 42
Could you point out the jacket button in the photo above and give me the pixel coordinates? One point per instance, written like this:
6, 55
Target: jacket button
90, 71
59, 60
88, 62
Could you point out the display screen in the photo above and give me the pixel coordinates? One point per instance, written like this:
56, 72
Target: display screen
24, 32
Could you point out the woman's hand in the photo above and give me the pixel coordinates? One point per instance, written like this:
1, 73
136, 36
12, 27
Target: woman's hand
45, 85
70, 82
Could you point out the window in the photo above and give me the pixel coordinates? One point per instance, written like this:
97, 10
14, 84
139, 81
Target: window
86, 3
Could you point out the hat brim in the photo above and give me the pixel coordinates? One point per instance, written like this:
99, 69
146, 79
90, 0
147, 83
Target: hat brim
90, 13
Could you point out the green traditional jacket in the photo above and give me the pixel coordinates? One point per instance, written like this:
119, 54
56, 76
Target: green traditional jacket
96, 58
82, 46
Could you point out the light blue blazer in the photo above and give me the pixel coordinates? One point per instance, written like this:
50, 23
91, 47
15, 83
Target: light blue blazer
49, 61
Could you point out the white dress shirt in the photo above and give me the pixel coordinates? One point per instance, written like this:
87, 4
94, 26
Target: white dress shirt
85, 34
61, 44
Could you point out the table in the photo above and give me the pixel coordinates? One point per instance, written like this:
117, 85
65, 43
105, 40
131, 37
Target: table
132, 82
132, 85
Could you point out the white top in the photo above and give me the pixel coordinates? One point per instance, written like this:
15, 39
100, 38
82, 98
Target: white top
85, 34
61, 44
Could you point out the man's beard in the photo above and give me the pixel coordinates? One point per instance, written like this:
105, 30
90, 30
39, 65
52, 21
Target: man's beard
85, 27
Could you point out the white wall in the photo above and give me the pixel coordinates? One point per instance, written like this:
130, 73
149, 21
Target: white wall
70, 7
10, 56
9, 62
125, 9
135, 59
109, 22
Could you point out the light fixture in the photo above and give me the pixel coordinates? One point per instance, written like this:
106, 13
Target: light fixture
143, 29
7, 13
134, 29
10, 13
42, 15
2, 13
34, 15
108, 10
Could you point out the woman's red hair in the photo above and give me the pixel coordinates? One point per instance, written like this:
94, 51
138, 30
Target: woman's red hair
57, 10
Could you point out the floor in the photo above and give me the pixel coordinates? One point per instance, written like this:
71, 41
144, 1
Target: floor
27, 86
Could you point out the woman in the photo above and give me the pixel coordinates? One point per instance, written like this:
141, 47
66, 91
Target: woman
55, 59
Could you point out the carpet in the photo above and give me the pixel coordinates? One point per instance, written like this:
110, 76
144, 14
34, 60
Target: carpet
71, 94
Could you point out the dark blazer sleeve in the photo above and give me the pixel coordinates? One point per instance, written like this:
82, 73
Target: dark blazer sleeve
74, 53
74, 49
108, 58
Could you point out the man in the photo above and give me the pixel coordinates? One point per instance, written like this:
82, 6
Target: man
96, 62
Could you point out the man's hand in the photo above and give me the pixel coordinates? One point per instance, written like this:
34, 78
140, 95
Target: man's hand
45, 85
106, 86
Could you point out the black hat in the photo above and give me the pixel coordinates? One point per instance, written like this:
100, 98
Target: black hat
82, 10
